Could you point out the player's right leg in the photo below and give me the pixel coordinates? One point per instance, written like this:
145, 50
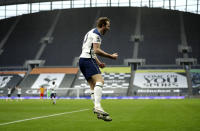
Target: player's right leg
54, 102
99, 116
41, 96
54, 98
98, 79
9, 97
105, 118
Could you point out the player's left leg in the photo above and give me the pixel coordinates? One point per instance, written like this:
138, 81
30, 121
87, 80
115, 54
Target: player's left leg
18, 97
9, 97
92, 85
51, 97
54, 98
40, 96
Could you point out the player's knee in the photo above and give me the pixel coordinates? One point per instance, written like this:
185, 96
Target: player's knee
100, 80
99, 83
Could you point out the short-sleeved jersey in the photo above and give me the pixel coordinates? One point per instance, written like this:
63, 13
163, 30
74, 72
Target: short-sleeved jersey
19, 90
53, 89
41, 90
93, 36
9, 90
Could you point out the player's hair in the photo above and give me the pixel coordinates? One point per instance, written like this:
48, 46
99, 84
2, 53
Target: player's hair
102, 21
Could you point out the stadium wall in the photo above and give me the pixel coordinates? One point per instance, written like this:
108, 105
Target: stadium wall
71, 83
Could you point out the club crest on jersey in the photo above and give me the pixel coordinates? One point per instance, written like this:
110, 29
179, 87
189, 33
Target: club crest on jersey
98, 39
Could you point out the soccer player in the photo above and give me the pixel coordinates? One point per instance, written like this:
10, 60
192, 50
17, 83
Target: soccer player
89, 64
53, 92
9, 94
19, 91
42, 90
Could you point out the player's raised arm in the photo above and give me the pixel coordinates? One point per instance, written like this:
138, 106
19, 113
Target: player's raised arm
100, 52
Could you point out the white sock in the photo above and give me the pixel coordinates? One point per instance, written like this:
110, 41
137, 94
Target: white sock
54, 100
92, 96
98, 94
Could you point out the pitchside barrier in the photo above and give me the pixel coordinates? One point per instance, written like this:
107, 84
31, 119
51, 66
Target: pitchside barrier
44, 77
116, 82
160, 82
195, 75
71, 83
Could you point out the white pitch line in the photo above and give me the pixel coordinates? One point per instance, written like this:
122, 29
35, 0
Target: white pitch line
42, 117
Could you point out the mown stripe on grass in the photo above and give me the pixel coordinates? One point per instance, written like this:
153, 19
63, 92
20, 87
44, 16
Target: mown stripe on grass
7, 123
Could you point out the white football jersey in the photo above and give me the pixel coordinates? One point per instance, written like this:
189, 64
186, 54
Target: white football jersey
93, 36
53, 89
9, 90
19, 90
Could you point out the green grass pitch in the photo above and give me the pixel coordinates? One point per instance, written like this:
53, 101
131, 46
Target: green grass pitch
127, 115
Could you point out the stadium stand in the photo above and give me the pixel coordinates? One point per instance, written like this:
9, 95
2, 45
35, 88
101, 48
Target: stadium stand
10, 79
118, 38
24, 41
161, 40
72, 25
192, 29
162, 36
5, 26
68, 36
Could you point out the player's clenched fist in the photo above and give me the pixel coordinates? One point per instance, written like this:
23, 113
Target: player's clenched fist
102, 65
114, 55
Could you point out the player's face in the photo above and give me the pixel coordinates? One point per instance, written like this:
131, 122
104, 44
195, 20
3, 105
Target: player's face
106, 28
